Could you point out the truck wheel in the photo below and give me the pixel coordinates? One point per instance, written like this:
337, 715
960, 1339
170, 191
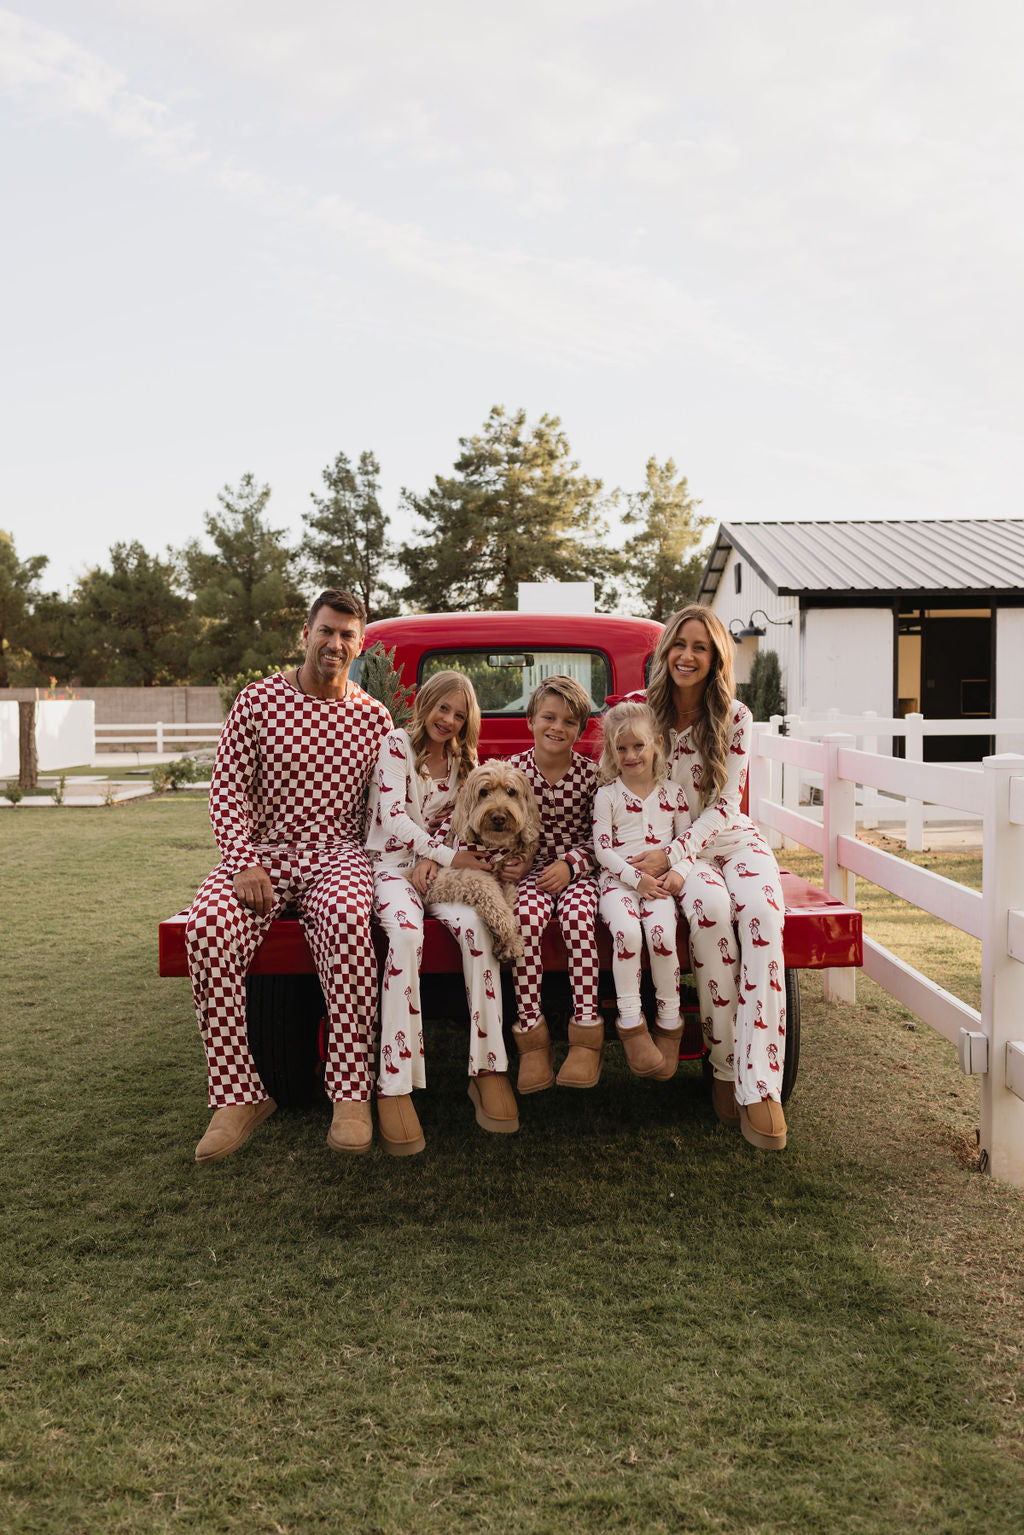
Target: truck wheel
792, 1061
283, 1014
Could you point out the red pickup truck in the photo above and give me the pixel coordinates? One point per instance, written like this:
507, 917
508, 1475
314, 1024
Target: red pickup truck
506, 655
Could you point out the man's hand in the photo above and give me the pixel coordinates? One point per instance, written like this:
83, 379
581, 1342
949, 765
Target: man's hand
253, 888
422, 875
555, 877
655, 862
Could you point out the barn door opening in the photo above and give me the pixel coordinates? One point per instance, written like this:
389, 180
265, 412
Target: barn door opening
946, 672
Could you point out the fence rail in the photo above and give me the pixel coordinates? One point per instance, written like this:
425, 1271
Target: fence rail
988, 1042
165, 734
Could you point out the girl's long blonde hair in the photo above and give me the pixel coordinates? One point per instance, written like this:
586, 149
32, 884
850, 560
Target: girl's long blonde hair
641, 719
462, 747
711, 728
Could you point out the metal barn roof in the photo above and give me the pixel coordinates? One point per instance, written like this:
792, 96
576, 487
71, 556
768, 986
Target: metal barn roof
806, 559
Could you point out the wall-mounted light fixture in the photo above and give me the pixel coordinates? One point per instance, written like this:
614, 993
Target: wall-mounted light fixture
752, 629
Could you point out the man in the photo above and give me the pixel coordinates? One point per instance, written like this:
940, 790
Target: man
287, 806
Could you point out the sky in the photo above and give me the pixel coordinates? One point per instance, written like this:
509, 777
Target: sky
779, 243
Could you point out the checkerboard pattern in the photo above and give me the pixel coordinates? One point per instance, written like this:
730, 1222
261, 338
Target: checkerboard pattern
566, 832
288, 795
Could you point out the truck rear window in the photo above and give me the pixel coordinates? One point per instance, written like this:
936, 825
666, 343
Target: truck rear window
505, 678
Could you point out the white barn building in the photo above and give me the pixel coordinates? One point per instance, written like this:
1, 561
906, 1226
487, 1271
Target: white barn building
896, 617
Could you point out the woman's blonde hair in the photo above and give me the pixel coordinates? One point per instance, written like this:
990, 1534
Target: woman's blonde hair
712, 726
640, 719
462, 747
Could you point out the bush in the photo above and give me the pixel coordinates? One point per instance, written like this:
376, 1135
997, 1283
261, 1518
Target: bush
379, 677
12, 790
232, 686
764, 694
174, 775
58, 790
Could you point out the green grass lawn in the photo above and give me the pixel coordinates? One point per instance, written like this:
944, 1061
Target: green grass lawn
622, 1319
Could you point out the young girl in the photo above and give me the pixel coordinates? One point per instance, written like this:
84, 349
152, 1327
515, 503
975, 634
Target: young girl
636, 810
418, 773
725, 874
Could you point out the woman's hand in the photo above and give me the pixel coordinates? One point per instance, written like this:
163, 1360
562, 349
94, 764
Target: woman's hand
650, 887
655, 862
422, 875
672, 882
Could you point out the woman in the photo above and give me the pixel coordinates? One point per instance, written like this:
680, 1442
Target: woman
724, 874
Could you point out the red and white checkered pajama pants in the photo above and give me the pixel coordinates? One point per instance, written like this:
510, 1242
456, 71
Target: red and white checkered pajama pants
630, 917
399, 910
735, 911
576, 907
332, 890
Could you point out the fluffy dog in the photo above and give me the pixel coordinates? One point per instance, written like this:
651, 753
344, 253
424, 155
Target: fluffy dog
495, 812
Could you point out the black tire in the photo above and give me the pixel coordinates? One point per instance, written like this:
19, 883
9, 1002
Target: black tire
283, 1014
792, 1061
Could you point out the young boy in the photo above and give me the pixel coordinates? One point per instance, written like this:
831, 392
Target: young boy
561, 881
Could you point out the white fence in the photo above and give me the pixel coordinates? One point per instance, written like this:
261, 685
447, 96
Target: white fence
158, 736
990, 1043
876, 733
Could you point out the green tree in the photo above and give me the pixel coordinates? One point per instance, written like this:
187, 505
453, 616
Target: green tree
248, 608
129, 624
661, 565
346, 543
516, 509
763, 692
19, 629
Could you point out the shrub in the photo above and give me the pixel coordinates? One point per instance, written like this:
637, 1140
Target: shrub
764, 694
174, 775
379, 677
12, 790
232, 686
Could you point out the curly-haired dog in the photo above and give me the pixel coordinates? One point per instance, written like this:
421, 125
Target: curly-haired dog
495, 813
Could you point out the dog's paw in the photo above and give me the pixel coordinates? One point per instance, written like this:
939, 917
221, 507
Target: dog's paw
511, 948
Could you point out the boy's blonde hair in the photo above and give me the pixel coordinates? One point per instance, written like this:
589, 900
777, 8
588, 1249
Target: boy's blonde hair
641, 720
575, 698
462, 747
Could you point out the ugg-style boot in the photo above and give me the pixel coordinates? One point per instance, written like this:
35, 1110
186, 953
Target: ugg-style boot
401, 1134
231, 1127
536, 1058
764, 1124
642, 1055
582, 1066
723, 1101
495, 1103
351, 1127
667, 1041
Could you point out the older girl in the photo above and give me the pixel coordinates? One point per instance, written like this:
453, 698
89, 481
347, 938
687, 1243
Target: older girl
724, 873
635, 811
419, 771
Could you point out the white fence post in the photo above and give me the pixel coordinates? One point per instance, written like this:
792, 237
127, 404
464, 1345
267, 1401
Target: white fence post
791, 781
840, 821
774, 776
1002, 976
869, 796
159, 735
915, 809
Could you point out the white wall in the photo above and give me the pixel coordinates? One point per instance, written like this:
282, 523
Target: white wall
781, 637
65, 735
847, 661
1009, 699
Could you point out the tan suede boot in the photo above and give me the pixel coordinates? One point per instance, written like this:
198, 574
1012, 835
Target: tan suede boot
642, 1055
231, 1127
495, 1103
351, 1127
536, 1058
582, 1066
667, 1041
723, 1101
401, 1134
763, 1124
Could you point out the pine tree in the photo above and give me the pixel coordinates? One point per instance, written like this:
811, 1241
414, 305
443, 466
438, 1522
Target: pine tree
19, 595
129, 623
516, 509
248, 609
346, 543
661, 564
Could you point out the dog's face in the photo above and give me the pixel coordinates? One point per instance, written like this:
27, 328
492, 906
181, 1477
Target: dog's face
496, 808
